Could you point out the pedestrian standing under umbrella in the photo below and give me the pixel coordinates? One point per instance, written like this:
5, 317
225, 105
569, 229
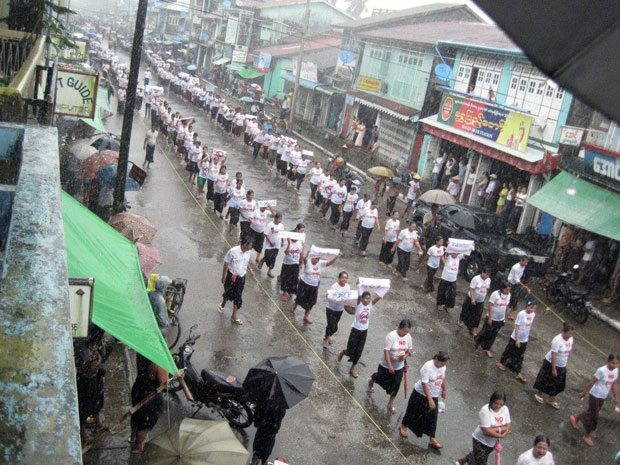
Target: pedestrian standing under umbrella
604, 380
473, 304
407, 238
446, 291
289, 273
496, 315
435, 256
334, 309
421, 414
359, 330
512, 358
236, 265
268, 420
551, 378
308, 286
369, 219
539, 454
494, 425
273, 242
397, 347
347, 209
390, 235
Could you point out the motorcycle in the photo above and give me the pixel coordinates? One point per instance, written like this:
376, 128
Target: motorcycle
571, 298
220, 392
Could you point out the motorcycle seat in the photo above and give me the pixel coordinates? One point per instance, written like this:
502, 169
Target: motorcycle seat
221, 382
576, 291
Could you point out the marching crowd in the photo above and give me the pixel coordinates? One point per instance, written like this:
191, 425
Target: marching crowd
340, 202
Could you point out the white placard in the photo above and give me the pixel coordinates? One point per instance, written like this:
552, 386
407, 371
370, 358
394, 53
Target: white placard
155, 90
80, 305
460, 246
321, 252
376, 285
292, 235
308, 153
267, 203
346, 297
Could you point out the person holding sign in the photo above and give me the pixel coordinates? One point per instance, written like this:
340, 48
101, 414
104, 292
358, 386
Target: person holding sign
397, 347
273, 242
359, 330
261, 217
308, 286
404, 245
369, 219
390, 235
336, 304
446, 291
289, 273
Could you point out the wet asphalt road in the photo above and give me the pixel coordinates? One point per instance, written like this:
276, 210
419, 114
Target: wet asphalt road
340, 422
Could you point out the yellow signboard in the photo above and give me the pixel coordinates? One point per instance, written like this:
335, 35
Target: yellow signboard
368, 83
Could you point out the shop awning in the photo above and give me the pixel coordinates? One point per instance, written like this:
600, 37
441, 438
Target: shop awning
328, 90
580, 203
236, 66
221, 61
96, 122
251, 73
290, 77
121, 305
216, 57
532, 160
384, 105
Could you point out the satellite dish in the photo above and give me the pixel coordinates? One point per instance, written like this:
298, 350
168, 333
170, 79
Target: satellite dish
443, 72
347, 56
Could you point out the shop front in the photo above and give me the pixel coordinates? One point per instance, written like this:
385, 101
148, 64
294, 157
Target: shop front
493, 140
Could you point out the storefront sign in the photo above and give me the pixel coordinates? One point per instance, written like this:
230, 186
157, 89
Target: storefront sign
367, 83
602, 165
76, 93
240, 54
309, 71
264, 62
231, 30
69, 54
571, 136
506, 127
80, 305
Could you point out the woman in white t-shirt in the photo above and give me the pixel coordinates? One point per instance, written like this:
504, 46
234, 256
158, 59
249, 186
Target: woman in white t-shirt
512, 358
347, 209
604, 380
435, 256
551, 378
494, 425
496, 316
335, 307
315, 178
539, 454
369, 219
359, 330
421, 414
289, 273
390, 235
406, 241
308, 286
446, 291
397, 347
222, 184
473, 304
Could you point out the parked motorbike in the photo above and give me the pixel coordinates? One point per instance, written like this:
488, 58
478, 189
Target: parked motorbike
570, 298
220, 392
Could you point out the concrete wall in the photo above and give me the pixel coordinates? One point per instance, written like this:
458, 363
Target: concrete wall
38, 412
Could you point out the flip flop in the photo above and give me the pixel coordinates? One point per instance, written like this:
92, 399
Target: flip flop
236, 321
435, 446
391, 410
574, 422
554, 404
588, 441
521, 379
539, 399
220, 309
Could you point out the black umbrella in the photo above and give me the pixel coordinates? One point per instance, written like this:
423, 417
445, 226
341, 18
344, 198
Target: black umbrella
463, 219
575, 42
105, 142
282, 381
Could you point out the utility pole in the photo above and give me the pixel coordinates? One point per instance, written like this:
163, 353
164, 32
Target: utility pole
130, 103
304, 30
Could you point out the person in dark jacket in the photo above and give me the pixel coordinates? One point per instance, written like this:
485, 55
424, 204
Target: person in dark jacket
268, 420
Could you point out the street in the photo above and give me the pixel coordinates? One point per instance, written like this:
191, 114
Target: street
340, 422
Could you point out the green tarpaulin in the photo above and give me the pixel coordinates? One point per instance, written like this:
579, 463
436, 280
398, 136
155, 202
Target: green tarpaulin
102, 99
580, 203
249, 73
121, 305
96, 122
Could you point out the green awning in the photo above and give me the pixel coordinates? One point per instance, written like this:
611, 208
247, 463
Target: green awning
251, 73
102, 99
121, 305
235, 65
96, 122
581, 204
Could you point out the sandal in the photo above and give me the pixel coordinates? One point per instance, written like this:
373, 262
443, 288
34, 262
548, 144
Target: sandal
220, 308
521, 379
371, 383
391, 410
539, 399
435, 445
236, 321
554, 404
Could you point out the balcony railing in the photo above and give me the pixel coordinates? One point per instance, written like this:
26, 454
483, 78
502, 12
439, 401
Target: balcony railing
14, 52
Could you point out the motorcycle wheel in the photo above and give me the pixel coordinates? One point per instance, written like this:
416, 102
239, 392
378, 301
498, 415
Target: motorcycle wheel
579, 312
552, 293
177, 300
238, 413
174, 332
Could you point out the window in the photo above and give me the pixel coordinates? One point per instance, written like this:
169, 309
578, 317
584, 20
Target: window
173, 20
514, 82
560, 93
541, 88
385, 63
460, 74
487, 78
480, 77
522, 85
549, 92
532, 87
495, 79
466, 73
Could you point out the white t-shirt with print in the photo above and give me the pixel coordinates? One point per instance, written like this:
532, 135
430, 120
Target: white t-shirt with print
489, 419
524, 321
434, 256
397, 346
450, 270
562, 348
237, 196
221, 184
333, 305
527, 458
312, 273
349, 202
499, 303
605, 379
433, 376
481, 287
261, 218
407, 240
315, 175
362, 316
294, 253
247, 209
338, 194
368, 220
272, 231
391, 228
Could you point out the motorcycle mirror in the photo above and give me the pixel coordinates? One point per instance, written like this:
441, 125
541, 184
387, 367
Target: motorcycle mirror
191, 330
576, 267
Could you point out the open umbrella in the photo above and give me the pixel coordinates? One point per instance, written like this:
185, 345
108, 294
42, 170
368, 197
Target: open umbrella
463, 219
134, 227
192, 67
149, 258
283, 381
81, 149
256, 86
107, 177
171, 61
438, 196
196, 442
95, 162
105, 142
381, 171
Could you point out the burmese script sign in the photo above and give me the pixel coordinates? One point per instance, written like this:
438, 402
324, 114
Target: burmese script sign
76, 93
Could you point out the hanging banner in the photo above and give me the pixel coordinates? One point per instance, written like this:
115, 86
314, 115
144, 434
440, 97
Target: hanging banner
309, 71
80, 305
76, 93
602, 165
368, 83
571, 136
376, 285
506, 127
231, 30
264, 62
